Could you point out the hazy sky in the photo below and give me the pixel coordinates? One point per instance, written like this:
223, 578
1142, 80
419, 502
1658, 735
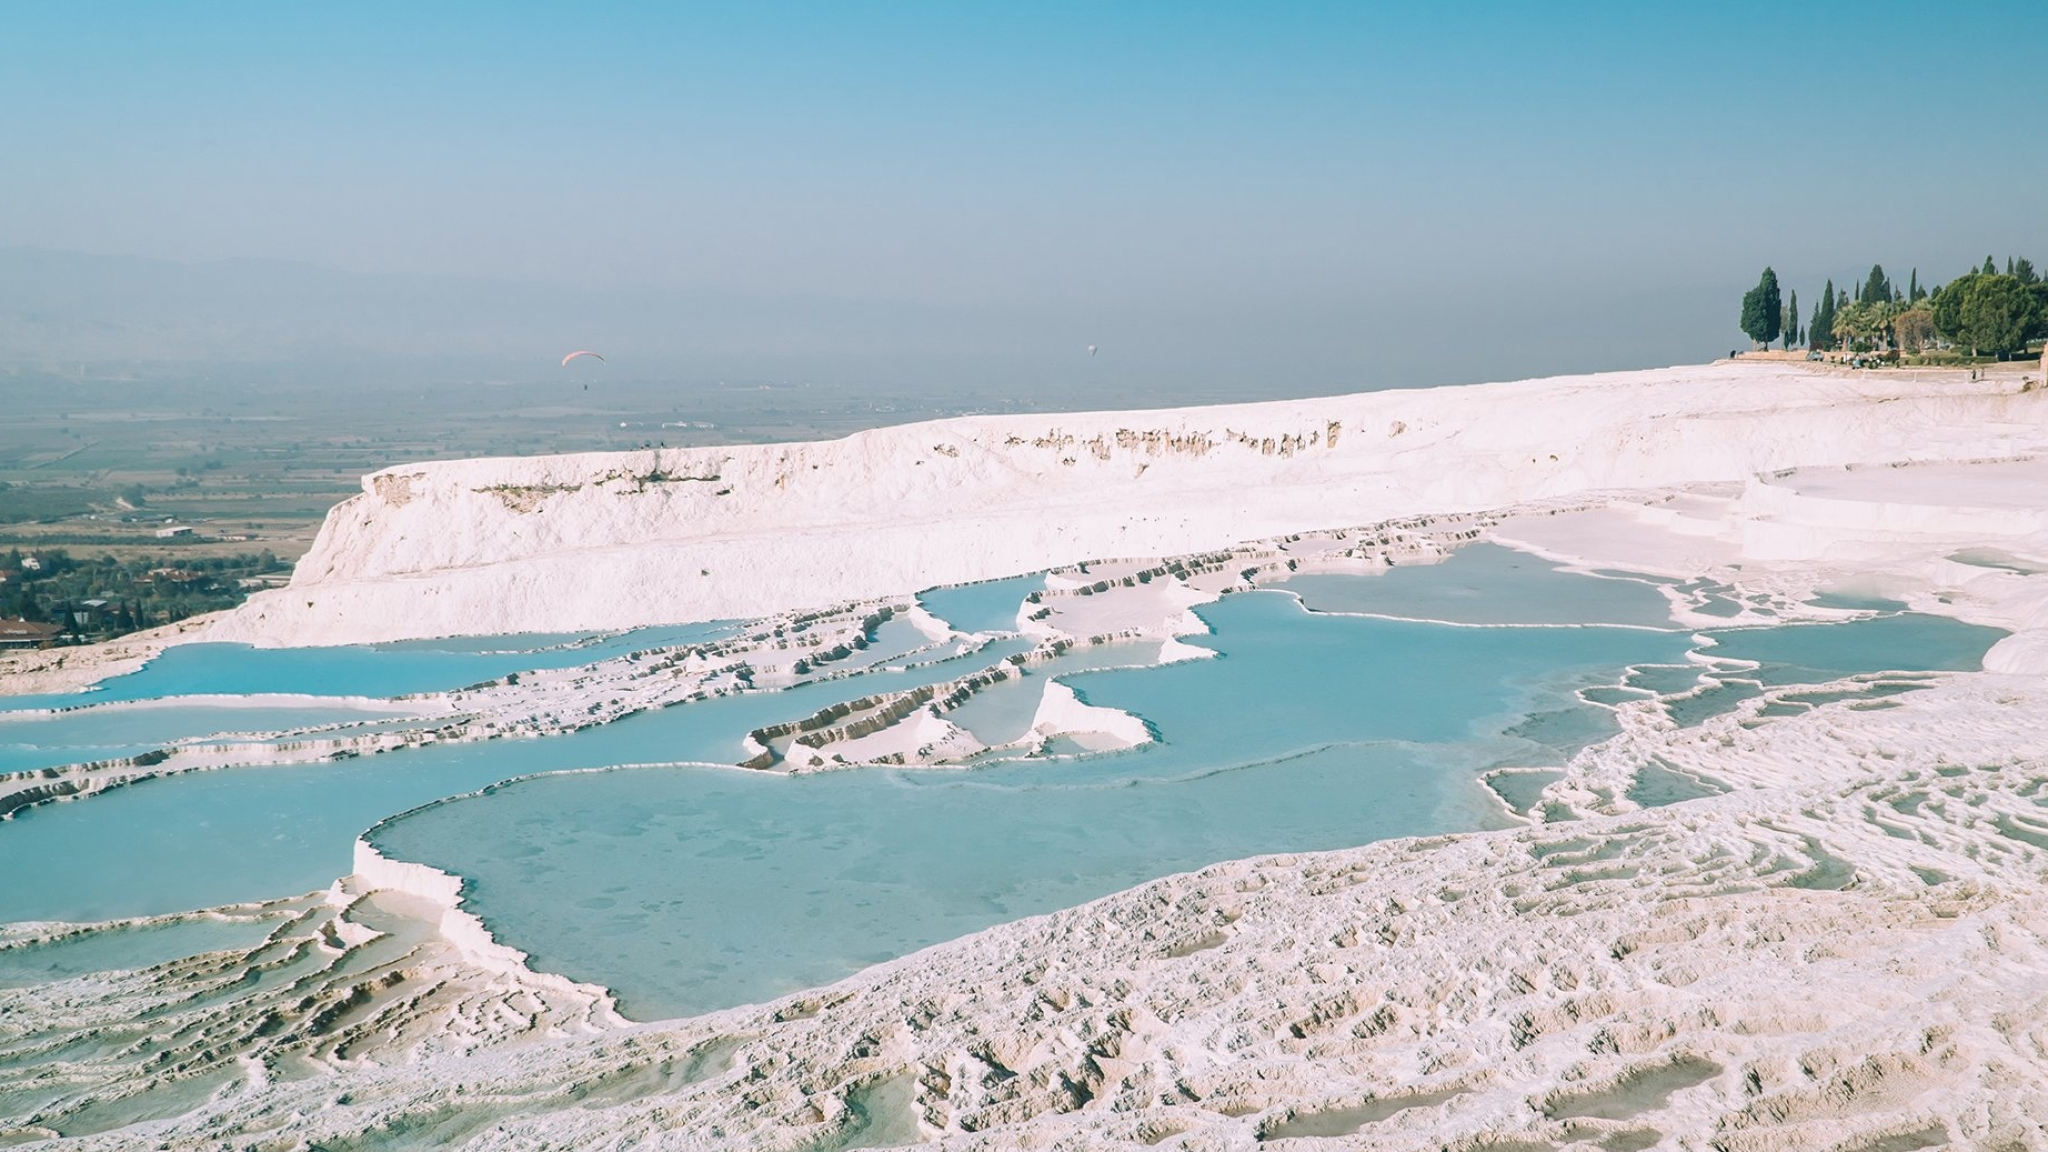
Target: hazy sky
1324, 189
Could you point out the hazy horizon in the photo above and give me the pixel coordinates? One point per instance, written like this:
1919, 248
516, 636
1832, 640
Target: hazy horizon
1258, 202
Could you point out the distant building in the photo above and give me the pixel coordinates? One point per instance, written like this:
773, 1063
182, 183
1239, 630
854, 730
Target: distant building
31, 564
27, 634
173, 530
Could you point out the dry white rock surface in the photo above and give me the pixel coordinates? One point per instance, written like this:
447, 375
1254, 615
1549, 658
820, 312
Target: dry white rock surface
553, 543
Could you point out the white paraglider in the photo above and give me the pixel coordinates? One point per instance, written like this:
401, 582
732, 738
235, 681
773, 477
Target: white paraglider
581, 352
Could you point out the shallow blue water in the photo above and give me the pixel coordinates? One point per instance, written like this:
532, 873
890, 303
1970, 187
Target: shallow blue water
125, 948
362, 670
253, 833
1487, 584
1812, 653
990, 606
1856, 602
685, 890
688, 888
87, 735
1003, 713
894, 642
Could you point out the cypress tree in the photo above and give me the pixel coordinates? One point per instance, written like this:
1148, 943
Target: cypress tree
1913, 292
1792, 320
1875, 290
1822, 331
1989, 268
1762, 310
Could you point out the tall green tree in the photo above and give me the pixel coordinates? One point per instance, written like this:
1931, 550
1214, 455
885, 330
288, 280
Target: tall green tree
1877, 289
1914, 292
1761, 310
1821, 331
1947, 304
2023, 269
1989, 268
1790, 328
1998, 315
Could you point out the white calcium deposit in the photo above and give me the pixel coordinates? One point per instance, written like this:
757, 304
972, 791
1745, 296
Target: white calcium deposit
1843, 947
560, 543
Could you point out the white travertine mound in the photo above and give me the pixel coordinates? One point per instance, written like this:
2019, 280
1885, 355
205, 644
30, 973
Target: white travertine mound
671, 535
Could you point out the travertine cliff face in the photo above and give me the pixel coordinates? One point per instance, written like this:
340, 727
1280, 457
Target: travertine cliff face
623, 539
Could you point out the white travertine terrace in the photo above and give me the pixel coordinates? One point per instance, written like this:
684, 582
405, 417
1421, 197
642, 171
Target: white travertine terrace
1844, 950
614, 540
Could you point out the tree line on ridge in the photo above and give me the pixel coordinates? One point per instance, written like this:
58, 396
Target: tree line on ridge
1984, 312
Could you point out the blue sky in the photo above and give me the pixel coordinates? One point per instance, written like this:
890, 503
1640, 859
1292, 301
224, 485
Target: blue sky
1322, 189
